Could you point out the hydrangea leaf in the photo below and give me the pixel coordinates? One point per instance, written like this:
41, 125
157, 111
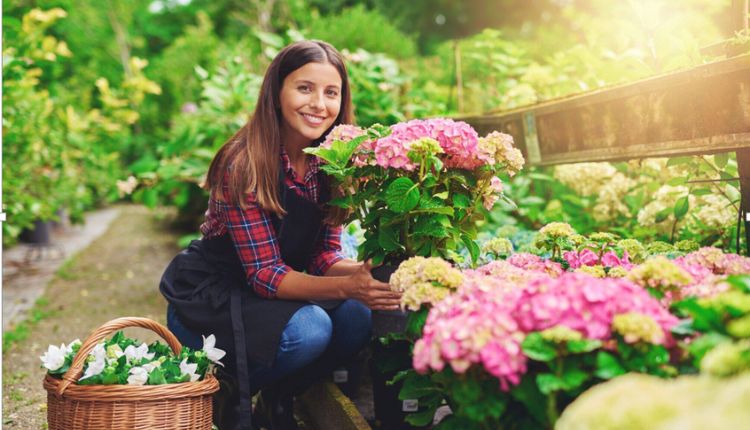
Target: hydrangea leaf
607, 366
402, 195
536, 348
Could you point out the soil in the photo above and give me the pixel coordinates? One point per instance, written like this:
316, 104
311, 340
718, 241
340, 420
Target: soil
117, 275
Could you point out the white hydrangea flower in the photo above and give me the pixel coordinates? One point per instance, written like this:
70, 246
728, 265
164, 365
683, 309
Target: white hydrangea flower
214, 354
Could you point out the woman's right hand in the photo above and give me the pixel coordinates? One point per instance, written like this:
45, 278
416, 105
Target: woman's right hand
372, 293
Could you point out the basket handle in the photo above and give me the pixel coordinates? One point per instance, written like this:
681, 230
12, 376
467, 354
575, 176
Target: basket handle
76, 368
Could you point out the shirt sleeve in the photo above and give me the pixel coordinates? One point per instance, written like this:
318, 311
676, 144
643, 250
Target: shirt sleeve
327, 251
257, 246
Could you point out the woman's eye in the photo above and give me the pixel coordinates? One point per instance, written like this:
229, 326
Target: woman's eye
304, 88
332, 93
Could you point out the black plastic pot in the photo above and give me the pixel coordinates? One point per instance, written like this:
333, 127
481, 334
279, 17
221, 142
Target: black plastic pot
39, 234
390, 412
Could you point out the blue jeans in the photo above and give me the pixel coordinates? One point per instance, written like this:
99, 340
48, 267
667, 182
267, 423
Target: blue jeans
312, 333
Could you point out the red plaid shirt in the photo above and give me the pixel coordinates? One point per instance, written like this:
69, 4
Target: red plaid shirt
255, 239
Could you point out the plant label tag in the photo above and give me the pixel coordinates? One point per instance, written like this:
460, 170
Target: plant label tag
340, 376
410, 405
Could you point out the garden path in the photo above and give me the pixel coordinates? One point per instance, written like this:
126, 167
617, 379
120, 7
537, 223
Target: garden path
116, 275
27, 269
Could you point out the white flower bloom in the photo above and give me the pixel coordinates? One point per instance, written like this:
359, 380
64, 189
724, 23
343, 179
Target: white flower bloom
69, 348
214, 354
138, 353
54, 358
189, 369
96, 361
152, 365
138, 376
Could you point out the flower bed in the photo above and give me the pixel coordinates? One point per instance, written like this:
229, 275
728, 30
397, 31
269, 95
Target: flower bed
522, 337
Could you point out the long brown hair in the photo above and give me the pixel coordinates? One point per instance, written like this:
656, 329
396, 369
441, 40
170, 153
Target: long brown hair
249, 160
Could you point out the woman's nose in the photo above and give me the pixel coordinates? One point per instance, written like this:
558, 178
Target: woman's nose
316, 101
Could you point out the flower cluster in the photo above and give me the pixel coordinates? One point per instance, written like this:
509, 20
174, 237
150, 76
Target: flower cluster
531, 262
487, 319
587, 257
424, 281
715, 260
497, 148
661, 274
122, 360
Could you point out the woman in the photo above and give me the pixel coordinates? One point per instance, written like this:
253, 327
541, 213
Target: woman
267, 277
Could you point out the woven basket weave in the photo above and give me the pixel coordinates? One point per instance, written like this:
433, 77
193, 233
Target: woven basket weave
180, 406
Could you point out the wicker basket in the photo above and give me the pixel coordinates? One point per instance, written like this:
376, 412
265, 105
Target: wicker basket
187, 405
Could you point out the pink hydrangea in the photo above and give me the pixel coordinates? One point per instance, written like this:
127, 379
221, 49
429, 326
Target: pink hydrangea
717, 261
458, 139
347, 132
586, 304
528, 261
587, 257
485, 322
342, 132
473, 326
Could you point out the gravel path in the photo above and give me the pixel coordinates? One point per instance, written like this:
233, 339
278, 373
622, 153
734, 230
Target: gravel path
117, 275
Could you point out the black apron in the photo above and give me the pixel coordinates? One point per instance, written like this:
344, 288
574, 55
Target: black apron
207, 285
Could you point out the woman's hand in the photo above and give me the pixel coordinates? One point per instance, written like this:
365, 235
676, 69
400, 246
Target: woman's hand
372, 293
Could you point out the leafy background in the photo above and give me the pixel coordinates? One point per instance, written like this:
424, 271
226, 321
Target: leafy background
151, 89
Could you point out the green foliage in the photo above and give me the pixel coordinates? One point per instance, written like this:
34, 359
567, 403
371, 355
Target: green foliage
357, 28
59, 154
173, 176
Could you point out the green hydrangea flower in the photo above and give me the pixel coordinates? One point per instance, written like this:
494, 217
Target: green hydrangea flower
560, 334
635, 327
727, 359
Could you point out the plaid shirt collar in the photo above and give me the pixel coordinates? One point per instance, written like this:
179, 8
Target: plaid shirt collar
313, 165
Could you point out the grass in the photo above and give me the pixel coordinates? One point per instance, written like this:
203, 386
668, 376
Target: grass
21, 331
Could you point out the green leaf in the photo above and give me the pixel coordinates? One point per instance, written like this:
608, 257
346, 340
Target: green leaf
681, 180
537, 348
422, 418
675, 161
402, 195
430, 226
663, 214
461, 200
416, 386
388, 237
681, 207
607, 366
583, 345
472, 246
549, 383
721, 159
156, 377
573, 377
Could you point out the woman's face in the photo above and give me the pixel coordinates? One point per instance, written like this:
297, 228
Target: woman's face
310, 101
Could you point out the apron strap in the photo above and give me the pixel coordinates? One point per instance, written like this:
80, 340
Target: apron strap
243, 374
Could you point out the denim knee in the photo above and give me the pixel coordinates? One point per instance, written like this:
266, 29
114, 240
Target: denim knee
185, 336
352, 326
307, 333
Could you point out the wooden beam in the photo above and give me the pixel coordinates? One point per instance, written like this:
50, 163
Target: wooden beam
702, 110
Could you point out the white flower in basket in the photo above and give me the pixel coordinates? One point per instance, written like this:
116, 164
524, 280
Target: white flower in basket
97, 361
138, 376
214, 354
189, 369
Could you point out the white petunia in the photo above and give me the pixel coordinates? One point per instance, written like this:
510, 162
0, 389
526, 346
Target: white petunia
96, 361
189, 369
54, 358
138, 353
214, 354
138, 376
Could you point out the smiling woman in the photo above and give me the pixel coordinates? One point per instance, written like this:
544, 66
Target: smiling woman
268, 276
